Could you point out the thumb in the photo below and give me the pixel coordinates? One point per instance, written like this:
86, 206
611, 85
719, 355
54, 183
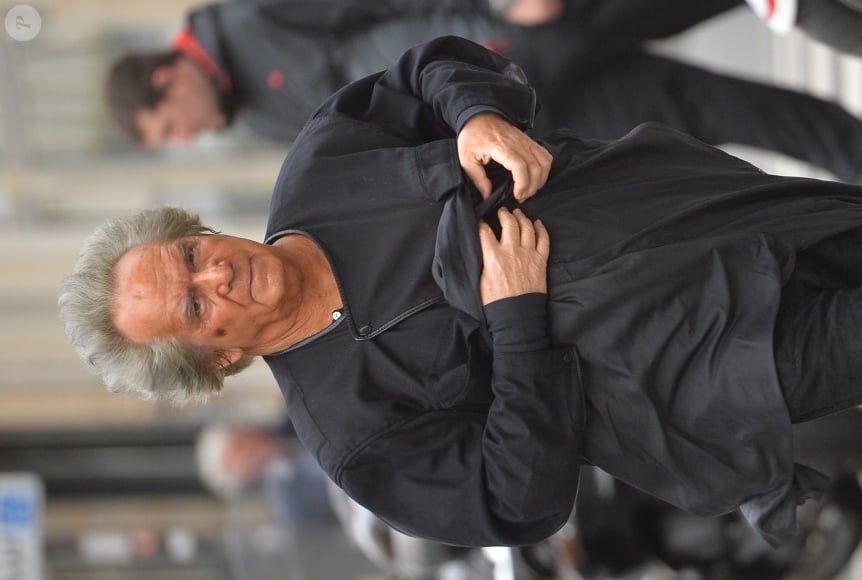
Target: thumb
476, 174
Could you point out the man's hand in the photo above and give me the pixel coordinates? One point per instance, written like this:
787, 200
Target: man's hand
533, 12
516, 263
488, 136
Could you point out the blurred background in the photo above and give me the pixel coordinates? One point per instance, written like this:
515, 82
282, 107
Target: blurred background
98, 486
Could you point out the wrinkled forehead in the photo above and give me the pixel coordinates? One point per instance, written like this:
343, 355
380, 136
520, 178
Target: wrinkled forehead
138, 305
138, 263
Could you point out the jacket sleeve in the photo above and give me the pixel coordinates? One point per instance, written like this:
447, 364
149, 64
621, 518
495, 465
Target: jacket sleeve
348, 16
434, 88
505, 477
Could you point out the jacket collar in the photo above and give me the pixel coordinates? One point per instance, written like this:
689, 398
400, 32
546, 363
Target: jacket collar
201, 42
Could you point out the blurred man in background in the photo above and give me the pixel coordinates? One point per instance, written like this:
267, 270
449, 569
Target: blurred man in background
236, 460
270, 63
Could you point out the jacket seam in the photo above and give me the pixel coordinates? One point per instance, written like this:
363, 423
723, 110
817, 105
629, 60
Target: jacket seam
407, 313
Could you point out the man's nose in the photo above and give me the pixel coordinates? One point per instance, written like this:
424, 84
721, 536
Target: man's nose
216, 278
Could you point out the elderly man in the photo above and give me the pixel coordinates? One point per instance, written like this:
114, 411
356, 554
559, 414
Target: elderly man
650, 305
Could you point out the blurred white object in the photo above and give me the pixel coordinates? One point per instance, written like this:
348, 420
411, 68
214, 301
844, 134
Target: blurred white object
105, 547
181, 544
501, 557
780, 15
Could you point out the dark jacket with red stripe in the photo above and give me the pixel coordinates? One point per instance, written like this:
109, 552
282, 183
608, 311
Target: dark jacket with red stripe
275, 61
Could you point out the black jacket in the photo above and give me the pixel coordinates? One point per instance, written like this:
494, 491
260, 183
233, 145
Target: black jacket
285, 57
393, 425
668, 258
274, 61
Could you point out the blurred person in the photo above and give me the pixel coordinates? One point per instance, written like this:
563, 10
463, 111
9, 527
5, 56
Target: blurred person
837, 23
459, 316
235, 459
271, 63
403, 555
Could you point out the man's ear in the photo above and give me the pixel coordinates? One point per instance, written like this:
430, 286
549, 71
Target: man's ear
163, 76
227, 357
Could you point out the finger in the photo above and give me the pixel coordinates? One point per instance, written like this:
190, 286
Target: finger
543, 240
476, 174
539, 168
531, 183
540, 177
545, 161
514, 160
546, 155
528, 234
487, 239
520, 170
510, 233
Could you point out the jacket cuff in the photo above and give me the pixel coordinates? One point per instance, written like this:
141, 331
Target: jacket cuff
519, 323
470, 112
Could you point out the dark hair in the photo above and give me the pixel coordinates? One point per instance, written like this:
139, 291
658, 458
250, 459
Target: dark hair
129, 87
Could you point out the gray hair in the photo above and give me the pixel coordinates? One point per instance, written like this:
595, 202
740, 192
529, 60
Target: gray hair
164, 368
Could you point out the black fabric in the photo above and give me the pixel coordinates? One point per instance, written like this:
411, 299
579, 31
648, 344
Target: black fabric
437, 434
837, 23
714, 108
666, 268
667, 263
207, 26
246, 41
286, 56
409, 391
817, 339
518, 323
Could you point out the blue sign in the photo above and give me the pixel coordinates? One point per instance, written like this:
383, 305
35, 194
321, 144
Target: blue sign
21, 542
17, 509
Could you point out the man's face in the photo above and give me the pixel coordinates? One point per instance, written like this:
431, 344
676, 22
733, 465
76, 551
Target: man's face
248, 453
189, 106
229, 294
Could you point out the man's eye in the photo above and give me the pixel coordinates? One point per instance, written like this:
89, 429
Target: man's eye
196, 307
190, 255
